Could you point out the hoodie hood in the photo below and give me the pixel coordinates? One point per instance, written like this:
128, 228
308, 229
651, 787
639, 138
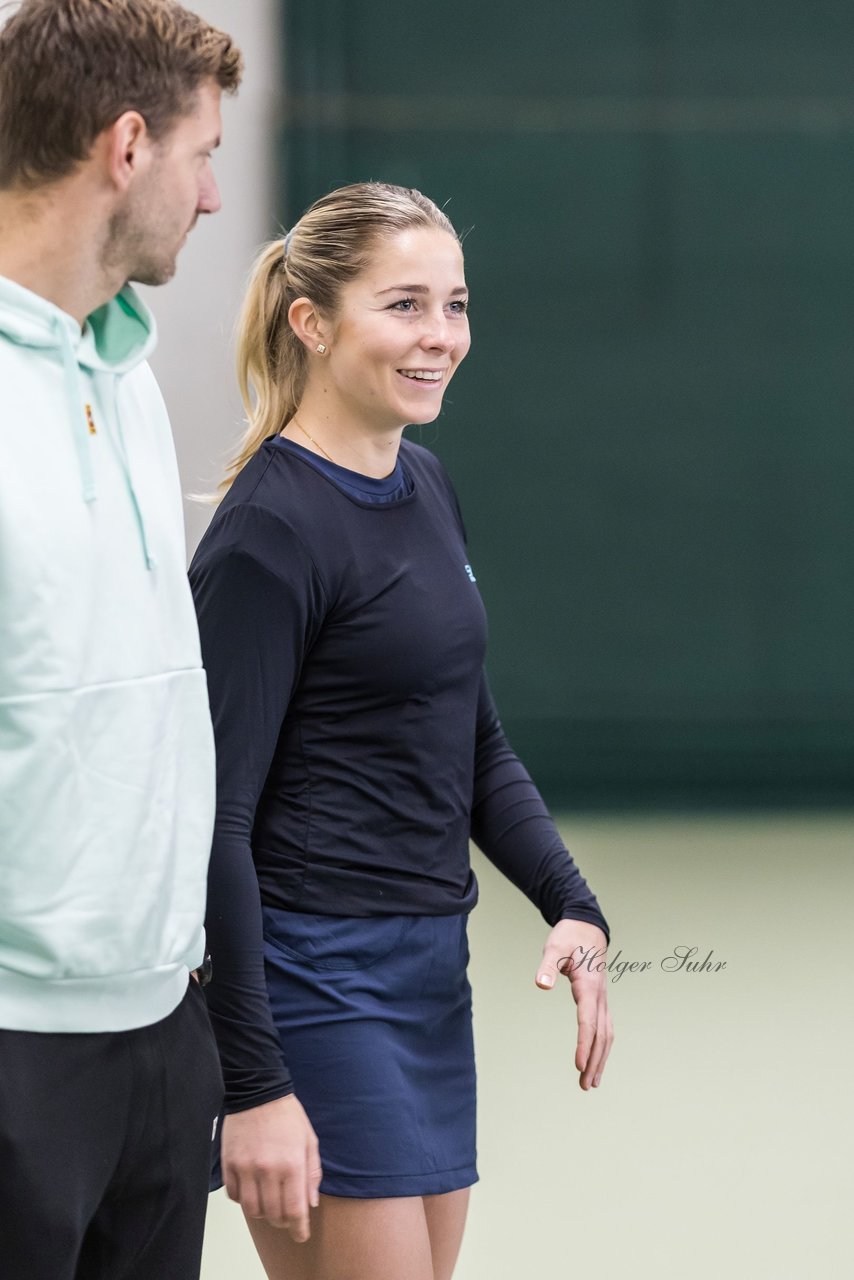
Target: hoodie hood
115, 339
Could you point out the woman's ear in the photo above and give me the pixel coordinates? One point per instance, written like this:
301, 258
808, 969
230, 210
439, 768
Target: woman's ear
308, 324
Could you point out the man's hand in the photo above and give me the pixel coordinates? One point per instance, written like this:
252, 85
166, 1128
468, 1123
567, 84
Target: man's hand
577, 949
271, 1164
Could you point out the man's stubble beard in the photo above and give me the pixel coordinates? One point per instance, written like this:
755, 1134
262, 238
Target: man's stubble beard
133, 249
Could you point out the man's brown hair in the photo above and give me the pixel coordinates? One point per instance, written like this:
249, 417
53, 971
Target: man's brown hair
70, 68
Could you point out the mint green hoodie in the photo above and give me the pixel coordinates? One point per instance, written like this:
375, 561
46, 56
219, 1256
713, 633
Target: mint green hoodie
106, 750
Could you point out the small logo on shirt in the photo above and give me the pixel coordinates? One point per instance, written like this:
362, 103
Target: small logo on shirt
470, 573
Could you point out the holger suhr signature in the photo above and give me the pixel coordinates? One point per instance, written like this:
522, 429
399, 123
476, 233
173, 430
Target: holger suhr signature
680, 960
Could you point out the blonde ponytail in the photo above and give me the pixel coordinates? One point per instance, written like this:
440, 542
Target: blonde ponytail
271, 362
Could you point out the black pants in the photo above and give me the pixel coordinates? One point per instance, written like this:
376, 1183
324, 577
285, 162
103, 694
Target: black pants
105, 1146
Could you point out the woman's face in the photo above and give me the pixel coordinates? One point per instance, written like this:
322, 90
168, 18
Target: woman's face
400, 332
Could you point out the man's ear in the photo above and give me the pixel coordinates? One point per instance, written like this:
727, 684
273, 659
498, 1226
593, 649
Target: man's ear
127, 148
309, 325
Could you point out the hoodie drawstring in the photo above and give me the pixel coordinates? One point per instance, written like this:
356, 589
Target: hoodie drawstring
81, 431
121, 450
79, 425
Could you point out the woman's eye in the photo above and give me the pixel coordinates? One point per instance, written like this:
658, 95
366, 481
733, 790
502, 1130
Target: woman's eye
457, 307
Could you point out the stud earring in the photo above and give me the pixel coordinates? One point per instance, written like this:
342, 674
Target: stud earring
321, 348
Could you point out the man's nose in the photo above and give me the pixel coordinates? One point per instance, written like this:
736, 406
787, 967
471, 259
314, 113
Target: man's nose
209, 197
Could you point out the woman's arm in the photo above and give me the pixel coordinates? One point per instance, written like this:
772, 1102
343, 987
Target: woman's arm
259, 603
512, 826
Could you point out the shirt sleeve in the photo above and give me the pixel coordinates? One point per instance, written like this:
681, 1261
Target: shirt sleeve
259, 602
513, 828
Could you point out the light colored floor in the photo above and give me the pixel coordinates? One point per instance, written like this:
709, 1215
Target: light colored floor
720, 1142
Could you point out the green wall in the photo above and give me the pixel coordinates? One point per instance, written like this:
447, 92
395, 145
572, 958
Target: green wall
652, 437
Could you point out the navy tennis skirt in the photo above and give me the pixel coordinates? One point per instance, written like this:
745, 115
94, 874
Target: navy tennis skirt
374, 1017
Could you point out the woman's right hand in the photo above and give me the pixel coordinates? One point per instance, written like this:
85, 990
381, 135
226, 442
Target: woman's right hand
271, 1164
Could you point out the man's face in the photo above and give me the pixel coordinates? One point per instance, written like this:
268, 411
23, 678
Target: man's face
162, 206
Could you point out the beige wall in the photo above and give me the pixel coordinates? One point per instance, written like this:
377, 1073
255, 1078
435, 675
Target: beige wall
196, 311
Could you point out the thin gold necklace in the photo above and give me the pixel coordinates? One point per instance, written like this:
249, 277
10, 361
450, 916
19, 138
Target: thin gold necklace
316, 444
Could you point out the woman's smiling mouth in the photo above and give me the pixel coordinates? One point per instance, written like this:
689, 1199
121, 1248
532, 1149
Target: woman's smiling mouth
432, 376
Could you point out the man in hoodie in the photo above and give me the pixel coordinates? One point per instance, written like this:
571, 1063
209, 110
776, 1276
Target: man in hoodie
109, 1080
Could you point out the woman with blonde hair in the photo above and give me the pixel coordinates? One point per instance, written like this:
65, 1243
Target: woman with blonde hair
358, 750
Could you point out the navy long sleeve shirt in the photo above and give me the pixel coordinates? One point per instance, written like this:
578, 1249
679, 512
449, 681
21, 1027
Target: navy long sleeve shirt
358, 746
